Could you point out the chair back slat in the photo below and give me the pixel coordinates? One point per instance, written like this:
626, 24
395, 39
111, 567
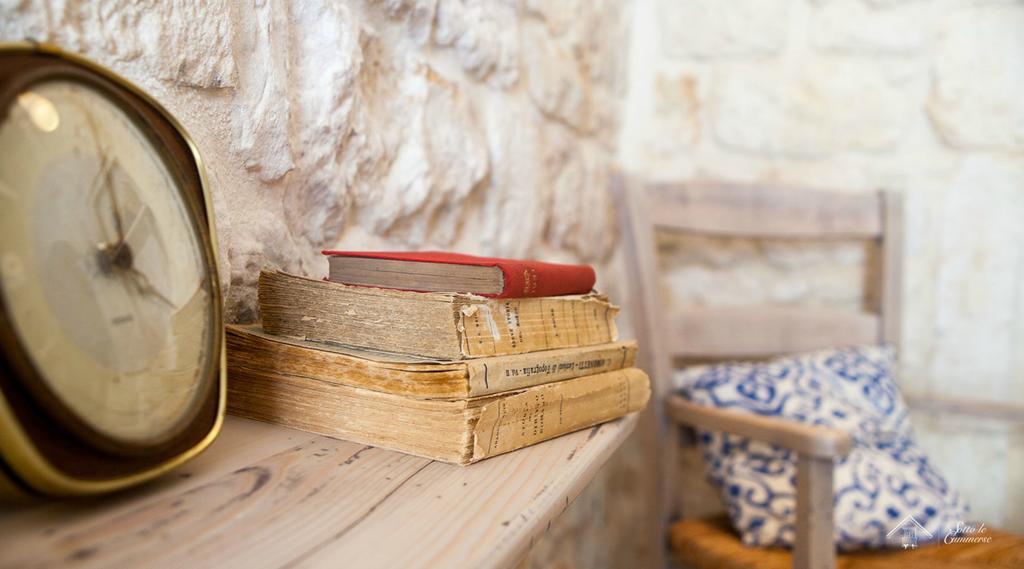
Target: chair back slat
740, 332
764, 211
892, 267
656, 440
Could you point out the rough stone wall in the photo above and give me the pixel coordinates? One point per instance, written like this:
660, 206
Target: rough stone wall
484, 126
921, 97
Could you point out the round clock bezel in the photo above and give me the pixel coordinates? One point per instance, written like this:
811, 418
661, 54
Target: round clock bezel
66, 455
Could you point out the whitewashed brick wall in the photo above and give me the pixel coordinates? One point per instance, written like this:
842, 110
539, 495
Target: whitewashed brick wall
922, 97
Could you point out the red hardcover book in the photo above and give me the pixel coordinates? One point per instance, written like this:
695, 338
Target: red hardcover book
434, 271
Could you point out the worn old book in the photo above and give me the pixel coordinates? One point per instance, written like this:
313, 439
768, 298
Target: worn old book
434, 271
251, 347
460, 431
449, 326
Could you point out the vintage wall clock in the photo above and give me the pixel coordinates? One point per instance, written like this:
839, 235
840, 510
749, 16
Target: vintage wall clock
111, 336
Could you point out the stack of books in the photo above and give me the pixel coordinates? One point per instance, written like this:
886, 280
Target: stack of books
386, 353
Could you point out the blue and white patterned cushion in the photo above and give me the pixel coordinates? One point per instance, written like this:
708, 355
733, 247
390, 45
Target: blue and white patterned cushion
883, 479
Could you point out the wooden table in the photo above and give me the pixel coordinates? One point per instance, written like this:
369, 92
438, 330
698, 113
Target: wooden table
267, 496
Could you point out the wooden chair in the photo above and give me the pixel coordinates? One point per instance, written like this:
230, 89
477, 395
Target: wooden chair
721, 333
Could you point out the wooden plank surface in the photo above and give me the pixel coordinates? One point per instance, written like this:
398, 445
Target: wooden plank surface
747, 210
266, 496
758, 331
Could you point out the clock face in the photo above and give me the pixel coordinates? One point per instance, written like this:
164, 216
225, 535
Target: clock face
104, 277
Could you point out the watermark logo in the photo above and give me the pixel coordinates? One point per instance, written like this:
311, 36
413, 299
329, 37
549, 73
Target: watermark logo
908, 533
967, 533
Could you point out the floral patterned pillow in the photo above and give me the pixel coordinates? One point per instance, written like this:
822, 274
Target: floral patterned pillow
885, 478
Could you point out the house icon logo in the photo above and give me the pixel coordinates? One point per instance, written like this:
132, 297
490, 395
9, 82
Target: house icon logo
908, 532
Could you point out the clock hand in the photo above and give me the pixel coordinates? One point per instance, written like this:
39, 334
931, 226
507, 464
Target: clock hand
141, 282
115, 254
105, 159
95, 195
118, 222
128, 233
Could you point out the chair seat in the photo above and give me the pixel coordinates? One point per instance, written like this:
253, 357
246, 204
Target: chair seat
711, 544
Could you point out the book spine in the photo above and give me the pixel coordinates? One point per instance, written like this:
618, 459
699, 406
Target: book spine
518, 326
409, 323
525, 279
542, 413
507, 373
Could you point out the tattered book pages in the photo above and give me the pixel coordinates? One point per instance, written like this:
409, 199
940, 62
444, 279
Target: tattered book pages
447, 326
460, 431
425, 378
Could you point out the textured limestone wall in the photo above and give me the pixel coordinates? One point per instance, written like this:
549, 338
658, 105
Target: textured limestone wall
921, 97
480, 126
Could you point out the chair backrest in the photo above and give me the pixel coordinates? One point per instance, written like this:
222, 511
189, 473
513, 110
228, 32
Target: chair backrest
717, 333
765, 212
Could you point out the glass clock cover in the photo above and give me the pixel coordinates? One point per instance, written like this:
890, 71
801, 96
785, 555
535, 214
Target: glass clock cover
106, 276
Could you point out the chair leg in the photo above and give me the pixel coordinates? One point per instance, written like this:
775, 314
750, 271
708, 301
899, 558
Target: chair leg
814, 548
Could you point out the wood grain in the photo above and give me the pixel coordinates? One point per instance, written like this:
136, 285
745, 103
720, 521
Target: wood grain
813, 548
267, 496
743, 210
815, 441
513, 499
759, 331
32, 525
892, 267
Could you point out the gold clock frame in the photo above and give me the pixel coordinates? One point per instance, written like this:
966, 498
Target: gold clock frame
16, 448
